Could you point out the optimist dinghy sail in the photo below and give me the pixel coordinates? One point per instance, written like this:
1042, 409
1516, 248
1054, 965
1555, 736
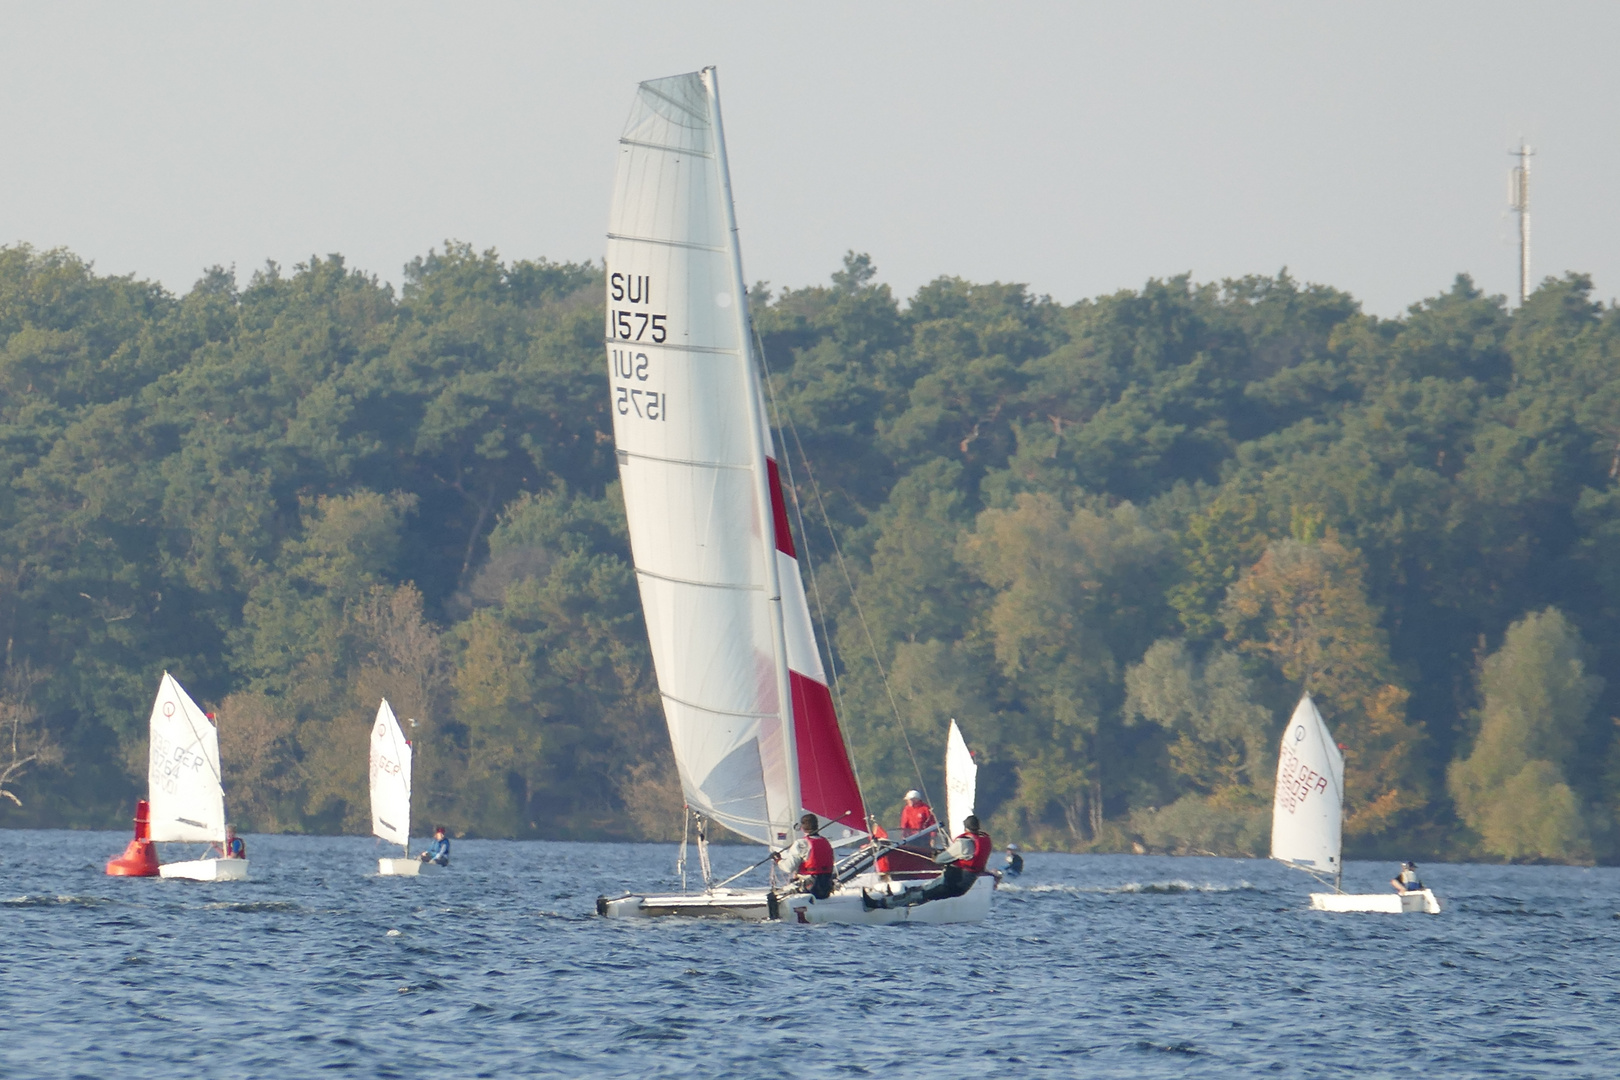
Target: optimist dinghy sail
391, 791
1307, 810
961, 780
1307, 816
745, 695
187, 799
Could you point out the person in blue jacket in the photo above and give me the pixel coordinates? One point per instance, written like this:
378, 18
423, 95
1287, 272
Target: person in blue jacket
440, 851
233, 848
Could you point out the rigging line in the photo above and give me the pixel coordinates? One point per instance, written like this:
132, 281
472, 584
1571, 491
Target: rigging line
680, 859
843, 566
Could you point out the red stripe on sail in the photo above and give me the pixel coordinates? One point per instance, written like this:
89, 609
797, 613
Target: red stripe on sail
784, 536
826, 779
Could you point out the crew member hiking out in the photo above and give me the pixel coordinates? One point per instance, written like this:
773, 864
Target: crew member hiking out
810, 859
964, 861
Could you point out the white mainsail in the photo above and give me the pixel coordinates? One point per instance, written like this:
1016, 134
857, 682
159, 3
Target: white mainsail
1307, 811
390, 779
961, 780
183, 779
731, 637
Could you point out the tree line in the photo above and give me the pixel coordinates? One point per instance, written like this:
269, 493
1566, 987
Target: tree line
1114, 539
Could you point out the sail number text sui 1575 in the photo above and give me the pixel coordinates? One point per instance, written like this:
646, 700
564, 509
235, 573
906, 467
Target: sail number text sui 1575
630, 366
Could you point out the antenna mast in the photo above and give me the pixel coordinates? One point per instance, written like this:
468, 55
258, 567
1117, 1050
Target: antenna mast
1519, 202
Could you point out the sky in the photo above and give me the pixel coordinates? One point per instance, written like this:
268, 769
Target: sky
1080, 148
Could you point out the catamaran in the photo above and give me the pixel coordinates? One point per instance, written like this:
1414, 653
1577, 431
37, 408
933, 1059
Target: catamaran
186, 800
391, 793
745, 695
1307, 816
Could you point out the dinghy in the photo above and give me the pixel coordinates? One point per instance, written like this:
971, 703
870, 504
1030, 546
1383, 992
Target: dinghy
391, 793
1307, 815
745, 695
186, 801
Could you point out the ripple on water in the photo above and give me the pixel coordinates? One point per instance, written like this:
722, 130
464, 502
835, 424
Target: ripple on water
1130, 888
57, 901
1139, 967
249, 907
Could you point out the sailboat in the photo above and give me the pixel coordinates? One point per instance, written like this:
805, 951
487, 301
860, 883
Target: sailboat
186, 801
391, 793
1307, 815
750, 715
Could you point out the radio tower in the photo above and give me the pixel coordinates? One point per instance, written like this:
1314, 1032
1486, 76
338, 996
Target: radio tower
1519, 201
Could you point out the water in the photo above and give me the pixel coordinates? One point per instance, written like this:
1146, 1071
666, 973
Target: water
1097, 966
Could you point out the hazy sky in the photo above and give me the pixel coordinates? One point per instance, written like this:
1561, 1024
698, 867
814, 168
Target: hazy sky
1081, 148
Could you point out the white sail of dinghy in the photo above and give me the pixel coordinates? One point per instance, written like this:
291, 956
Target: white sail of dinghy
1307, 810
183, 777
391, 790
961, 780
184, 789
745, 696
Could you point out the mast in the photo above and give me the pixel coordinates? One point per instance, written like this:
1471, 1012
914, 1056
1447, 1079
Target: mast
761, 438
1520, 204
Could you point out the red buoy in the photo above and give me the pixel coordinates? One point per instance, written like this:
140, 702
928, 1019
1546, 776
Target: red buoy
140, 858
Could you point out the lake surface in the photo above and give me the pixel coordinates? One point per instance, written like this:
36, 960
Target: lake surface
1097, 966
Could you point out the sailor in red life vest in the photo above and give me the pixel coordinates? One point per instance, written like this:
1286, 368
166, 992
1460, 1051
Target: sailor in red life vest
964, 861
233, 847
915, 816
810, 859
882, 862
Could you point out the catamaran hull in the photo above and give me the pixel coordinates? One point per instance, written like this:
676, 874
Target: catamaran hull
845, 906
848, 906
206, 870
749, 905
1422, 902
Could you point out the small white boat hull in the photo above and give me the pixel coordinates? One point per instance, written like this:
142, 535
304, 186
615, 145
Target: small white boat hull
844, 906
406, 868
206, 870
1421, 901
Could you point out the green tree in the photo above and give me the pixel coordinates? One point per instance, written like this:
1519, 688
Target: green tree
1221, 732
1303, 608
1074, 590
1513, 789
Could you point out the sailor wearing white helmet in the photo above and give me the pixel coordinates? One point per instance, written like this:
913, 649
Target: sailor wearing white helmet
916, 816
1013, 864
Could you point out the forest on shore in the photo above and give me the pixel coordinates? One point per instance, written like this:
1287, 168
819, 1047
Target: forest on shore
1114, 539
